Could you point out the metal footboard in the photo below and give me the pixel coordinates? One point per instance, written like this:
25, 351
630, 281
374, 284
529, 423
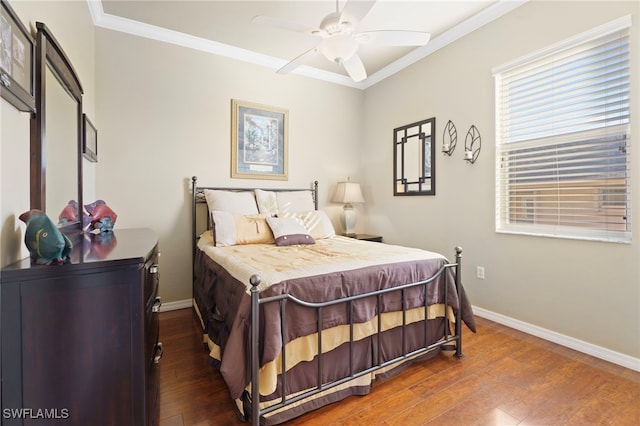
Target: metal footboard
445, 342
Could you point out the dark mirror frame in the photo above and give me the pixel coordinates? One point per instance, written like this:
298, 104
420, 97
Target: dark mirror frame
48, 51
423, 134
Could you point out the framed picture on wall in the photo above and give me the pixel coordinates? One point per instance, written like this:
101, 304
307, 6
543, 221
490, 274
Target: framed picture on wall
89, 140
16, 61
258, 141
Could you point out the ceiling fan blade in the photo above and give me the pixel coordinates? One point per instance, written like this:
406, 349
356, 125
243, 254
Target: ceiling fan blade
355, 10
355, 68
296, 62
394, 37
283, 24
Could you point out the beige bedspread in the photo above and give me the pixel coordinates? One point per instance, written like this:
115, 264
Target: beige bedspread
276, 264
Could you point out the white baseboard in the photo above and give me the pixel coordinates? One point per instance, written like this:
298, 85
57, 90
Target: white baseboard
561, 339
178, 304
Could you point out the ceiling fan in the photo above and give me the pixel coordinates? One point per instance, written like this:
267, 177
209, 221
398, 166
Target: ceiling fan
339, 40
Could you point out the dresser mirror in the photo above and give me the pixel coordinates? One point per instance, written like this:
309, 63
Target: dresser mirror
414, 159
56, 144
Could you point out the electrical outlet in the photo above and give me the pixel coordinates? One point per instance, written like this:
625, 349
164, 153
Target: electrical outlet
480, 272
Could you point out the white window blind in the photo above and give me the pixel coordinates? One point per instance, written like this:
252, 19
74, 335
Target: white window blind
563, 139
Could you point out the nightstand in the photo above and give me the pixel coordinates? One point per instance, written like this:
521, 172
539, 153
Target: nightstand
366, 237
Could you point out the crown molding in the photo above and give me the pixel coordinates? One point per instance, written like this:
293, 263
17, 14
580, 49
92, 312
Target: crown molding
141, 29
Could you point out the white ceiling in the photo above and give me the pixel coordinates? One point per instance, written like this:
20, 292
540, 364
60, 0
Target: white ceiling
225, 28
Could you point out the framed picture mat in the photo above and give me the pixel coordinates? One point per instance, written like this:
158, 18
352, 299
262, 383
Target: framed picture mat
259, 141
89, 140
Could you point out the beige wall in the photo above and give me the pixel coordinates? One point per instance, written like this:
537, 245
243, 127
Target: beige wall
587, 290
14, 181
72, 27
164, 115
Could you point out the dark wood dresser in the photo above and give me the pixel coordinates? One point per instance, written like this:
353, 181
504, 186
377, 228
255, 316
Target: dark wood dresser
80, 340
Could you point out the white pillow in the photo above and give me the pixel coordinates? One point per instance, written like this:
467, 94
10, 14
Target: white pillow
295, 201
235, 229
316, 222
267, 202
289, 231
276, 202
242, 202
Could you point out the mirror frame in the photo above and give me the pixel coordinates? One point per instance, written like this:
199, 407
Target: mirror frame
49, 53
425, 133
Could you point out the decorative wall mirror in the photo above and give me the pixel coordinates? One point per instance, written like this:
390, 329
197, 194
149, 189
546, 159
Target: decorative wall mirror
414, 158
56, 144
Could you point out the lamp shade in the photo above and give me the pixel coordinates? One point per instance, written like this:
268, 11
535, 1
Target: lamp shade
347, 193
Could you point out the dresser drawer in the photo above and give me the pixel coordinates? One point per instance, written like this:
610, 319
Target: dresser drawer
153, 386
153, 348
152, 309
151, 278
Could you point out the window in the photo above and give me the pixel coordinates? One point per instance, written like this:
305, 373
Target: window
563, 139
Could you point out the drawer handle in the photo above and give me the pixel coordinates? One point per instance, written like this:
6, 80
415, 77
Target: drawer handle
157, 355
156, 305
154, 269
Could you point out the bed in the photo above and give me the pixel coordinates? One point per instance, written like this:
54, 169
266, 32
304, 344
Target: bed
296, 317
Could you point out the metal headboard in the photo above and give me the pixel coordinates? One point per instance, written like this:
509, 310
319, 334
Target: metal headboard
199, 198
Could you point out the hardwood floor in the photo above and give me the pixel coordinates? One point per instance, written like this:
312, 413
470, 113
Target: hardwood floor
506, 378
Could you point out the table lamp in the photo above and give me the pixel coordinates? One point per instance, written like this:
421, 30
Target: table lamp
348, 193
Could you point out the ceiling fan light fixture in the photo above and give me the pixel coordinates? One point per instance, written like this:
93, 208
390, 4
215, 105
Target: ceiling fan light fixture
331, 24
339, 48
